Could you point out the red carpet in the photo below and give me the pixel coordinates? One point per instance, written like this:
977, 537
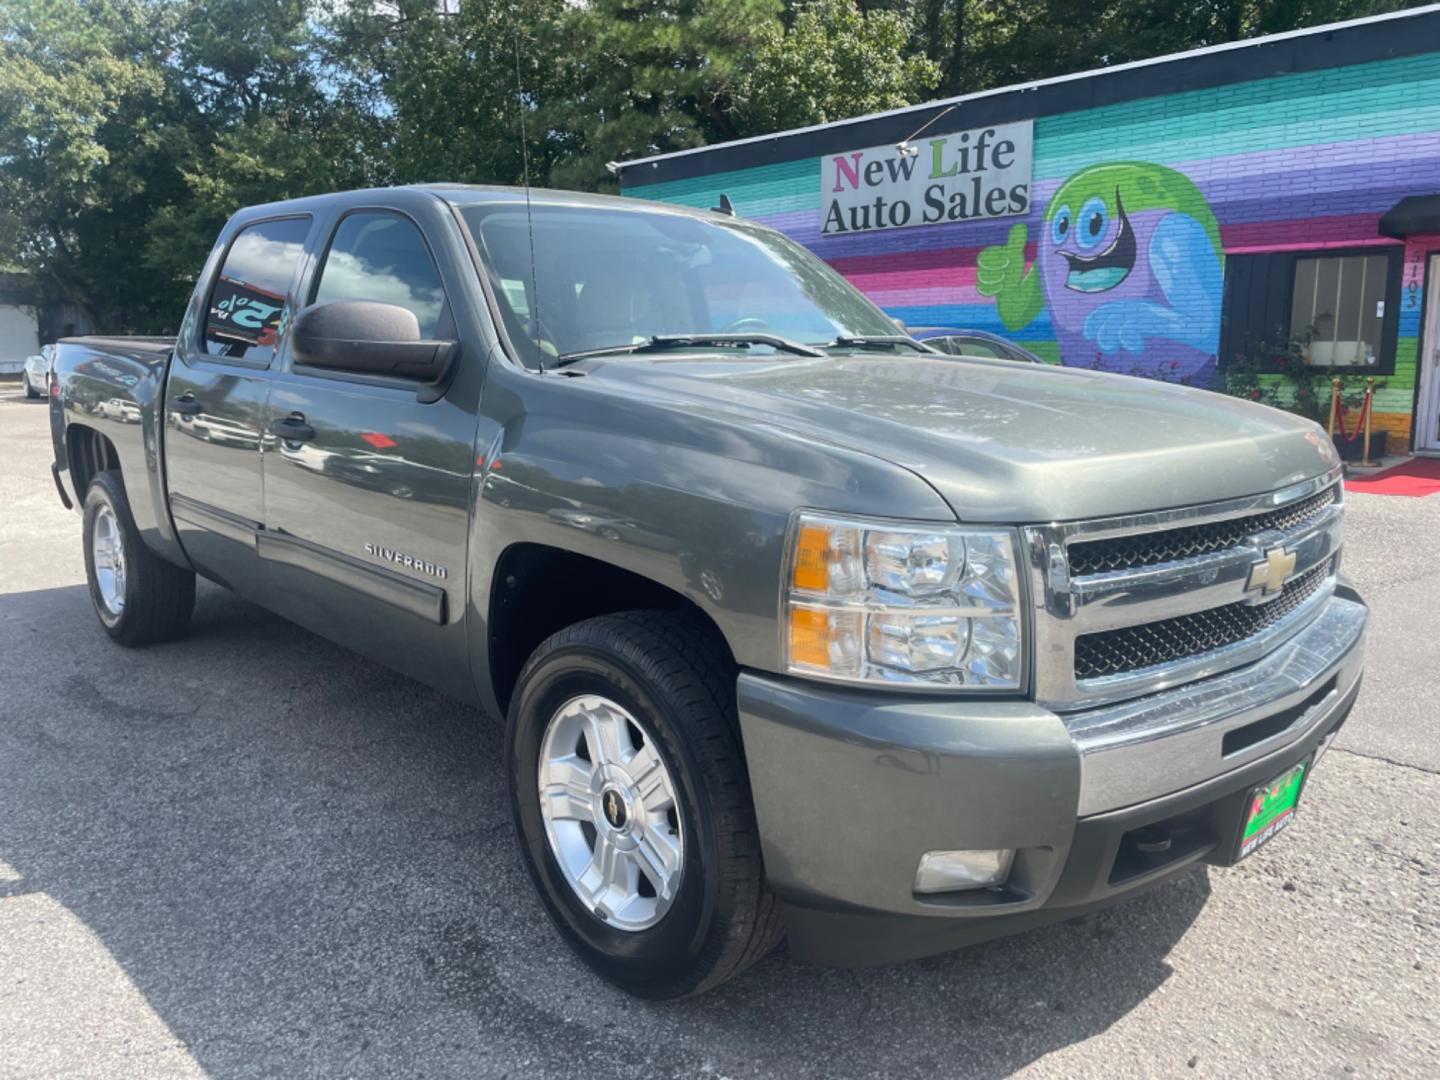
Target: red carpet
1418, 476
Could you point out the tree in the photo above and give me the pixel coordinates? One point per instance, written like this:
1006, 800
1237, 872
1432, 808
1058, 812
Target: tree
130, 129
83, 144
446, 92
260, 125
649, 76
982, 45
832, 61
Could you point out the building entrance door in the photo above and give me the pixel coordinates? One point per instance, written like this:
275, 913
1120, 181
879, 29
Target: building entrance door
1427, 413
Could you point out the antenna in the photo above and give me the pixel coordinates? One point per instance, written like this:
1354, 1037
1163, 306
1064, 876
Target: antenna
529, 217
905, 148
724, 207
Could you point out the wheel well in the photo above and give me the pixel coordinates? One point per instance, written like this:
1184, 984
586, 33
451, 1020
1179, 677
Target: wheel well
539, 590
88, 453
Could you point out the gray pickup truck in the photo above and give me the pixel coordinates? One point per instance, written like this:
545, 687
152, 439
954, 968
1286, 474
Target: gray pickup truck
798, 627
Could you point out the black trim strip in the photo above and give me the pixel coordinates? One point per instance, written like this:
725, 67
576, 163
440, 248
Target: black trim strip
415, 597
1323, 49
204, 516
418, 598
60, 487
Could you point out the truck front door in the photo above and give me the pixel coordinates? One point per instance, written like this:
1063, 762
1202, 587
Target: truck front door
367, 488
216, 396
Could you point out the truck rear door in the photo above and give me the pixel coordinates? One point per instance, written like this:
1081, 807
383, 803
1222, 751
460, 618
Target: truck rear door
216, 395
368, 488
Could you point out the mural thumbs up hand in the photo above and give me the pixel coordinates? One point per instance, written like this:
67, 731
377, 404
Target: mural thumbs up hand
999, 268
1000, 272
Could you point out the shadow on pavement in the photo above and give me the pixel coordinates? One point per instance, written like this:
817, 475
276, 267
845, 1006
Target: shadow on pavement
305, 863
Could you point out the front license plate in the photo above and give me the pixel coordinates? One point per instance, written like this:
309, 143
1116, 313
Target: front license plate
1271, 808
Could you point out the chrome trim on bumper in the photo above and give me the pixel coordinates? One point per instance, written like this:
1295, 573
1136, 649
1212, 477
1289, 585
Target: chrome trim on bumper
1068, 607
1152, 746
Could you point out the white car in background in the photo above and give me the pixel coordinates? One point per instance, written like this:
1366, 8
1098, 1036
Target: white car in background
35, 375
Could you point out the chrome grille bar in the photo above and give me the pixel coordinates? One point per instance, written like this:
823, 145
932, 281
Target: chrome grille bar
1160, 594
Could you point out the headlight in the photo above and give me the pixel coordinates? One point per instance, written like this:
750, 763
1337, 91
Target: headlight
892, 602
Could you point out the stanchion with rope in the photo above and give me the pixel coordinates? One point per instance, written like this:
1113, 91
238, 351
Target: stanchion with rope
1362, 422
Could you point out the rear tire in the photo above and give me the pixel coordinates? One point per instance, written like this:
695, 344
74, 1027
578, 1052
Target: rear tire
139, 597
30, 392
673, 688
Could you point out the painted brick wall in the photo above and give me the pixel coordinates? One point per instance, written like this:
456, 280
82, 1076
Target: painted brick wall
1301, 161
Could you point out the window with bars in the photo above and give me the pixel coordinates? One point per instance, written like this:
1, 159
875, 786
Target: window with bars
1338, 304
1341, 305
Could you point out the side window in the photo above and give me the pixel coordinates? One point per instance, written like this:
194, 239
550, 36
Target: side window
381, 256
976, 347
247, 304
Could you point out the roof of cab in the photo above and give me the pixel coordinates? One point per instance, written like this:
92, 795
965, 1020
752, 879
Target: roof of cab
477, 194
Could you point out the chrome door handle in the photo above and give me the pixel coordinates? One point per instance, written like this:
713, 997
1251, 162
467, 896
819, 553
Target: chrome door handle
292, 428
186, 405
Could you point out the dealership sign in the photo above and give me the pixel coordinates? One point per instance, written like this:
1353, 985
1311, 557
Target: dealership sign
984, 173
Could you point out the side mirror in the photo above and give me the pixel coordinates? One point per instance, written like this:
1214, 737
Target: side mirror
365, 337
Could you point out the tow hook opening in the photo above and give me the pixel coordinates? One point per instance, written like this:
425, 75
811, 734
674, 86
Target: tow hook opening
1148, 849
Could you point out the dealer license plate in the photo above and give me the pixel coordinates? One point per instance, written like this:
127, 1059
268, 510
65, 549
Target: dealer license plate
1271, 808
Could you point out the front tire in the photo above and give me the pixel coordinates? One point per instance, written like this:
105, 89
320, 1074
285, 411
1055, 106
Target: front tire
30, 392
632, 803
139, 597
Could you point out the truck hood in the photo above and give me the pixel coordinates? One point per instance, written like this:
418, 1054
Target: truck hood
999, 440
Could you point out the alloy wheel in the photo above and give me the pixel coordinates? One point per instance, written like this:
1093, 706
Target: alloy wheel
611, 813
107, 550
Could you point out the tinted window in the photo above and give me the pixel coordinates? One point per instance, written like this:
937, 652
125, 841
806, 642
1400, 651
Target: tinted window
248, 303
380, 256
969, 346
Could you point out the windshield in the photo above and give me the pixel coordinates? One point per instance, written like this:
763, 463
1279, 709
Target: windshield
609, 278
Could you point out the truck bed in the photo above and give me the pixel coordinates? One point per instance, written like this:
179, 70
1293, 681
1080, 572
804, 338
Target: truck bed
135, 343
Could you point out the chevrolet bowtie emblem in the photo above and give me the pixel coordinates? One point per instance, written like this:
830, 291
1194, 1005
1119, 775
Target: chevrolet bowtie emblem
1269, 576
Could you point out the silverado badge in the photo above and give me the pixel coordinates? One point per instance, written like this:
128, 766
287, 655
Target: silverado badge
410, 562
1269, 576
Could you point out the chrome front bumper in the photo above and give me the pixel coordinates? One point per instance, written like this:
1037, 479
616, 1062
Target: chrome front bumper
851, 788
1137, 750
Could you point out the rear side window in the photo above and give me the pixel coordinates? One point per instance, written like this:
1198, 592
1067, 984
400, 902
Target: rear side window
975, 347
382, 256
248, 303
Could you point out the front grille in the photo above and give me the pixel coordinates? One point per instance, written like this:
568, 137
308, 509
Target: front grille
1149, 549
1131, 648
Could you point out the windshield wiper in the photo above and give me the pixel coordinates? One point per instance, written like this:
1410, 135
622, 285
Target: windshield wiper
672, 342
876, 341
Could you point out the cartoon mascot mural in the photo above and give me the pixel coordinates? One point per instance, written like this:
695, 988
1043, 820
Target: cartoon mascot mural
1129, 262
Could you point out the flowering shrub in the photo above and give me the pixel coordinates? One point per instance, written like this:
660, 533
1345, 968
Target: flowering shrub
1279, 374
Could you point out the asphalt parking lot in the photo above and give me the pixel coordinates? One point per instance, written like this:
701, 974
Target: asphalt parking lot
252, 854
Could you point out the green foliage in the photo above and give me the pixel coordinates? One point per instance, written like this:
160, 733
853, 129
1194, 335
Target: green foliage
1278, 373
131, 129
444, 92
649, 76
982, 44
832, 61
82, 141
